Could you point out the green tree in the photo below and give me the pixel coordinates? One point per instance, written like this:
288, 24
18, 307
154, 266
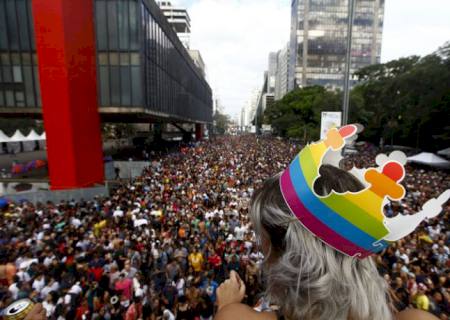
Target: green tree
405, 101
9, 126
298, 114
221, 122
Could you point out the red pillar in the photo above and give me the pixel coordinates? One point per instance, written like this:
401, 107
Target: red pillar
198, 131
65, 45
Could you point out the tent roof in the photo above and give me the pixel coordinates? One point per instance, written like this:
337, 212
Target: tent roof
3, 137
444, 152
430, 159
17, 136
33, 136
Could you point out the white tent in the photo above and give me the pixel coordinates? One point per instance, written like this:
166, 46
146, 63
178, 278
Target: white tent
28, 142
3, 137
429, 159
33, 136
17, 137
444, 152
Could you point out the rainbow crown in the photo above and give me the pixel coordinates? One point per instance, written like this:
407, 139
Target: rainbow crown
351, 222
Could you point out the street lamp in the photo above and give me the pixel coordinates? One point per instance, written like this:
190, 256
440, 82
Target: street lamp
351, 11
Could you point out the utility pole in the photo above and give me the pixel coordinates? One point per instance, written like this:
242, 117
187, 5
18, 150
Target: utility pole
348, 61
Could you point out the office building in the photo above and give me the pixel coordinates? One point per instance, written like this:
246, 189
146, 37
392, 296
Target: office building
319, 39
74, 63
180, 21
281, 77
198, 61
271, 71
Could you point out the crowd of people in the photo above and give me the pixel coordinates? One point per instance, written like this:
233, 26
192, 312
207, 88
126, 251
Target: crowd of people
159, 246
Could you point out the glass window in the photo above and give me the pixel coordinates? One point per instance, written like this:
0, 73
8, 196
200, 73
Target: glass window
4, 57
26, 59
23, 25
136, 86
103, 59
28, 81
104, 86
115, 86
114, 59
134, 22
101, 27
7, 74
30, 25
124, 59
125, 86
9, 94
20, 99
15, 58
2, 100
12, 25
135, 59
3, 35
123, 24
112, 25
38, 89
17, 74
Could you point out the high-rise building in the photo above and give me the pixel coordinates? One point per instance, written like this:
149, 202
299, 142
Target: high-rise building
319, 35
271, 72
198, 61
281, 77
179, 19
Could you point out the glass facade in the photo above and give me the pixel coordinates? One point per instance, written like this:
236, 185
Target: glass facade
18, 62
140, 61
319, 39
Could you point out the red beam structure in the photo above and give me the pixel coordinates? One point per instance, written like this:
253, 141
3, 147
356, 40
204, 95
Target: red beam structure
65, 45
199, 131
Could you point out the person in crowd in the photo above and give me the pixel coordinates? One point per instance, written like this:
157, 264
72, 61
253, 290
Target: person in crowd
306, 278
162, 241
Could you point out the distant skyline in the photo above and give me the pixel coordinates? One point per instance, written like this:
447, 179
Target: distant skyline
236, 36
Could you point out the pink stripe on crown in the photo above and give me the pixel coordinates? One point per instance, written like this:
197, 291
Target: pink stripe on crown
314, 225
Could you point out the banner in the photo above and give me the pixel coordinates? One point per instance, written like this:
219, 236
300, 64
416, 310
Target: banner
329, 120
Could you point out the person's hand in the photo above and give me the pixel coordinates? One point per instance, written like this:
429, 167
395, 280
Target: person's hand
230, 291
37, 313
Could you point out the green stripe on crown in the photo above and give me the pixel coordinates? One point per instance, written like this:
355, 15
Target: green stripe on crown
340, 205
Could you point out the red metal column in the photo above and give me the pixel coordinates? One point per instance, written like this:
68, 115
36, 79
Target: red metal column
65, 43
199, 131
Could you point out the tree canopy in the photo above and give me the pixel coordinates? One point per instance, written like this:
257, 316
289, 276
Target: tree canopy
221, 122
404, 101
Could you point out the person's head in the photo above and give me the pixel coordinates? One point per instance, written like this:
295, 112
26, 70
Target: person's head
305, 277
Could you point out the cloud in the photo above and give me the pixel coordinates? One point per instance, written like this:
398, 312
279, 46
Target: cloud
414, 27
235, 38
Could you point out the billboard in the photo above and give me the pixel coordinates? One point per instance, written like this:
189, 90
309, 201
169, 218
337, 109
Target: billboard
329, 120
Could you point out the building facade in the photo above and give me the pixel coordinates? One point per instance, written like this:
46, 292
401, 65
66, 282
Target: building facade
73, 63
142, 68
272, 71
319, 35
198, 61
281, 78
180, 21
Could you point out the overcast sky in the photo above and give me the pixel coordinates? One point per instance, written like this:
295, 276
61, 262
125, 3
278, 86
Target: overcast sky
236, 36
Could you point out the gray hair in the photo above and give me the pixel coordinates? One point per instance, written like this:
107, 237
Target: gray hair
305, 277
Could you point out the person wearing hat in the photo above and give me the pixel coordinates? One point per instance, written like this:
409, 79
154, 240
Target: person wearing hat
317, 263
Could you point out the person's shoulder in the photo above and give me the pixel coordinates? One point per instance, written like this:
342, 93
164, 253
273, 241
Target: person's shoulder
415, 314
238, 311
